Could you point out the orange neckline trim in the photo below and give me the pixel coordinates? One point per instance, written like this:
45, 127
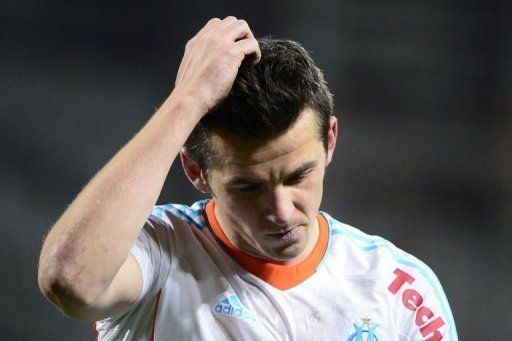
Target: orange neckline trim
280, 276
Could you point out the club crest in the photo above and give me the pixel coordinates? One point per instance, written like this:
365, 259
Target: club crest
364, 331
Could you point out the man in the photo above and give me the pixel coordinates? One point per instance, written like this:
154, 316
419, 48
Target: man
257, 261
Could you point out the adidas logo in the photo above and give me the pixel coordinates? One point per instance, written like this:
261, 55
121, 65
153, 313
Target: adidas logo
232, 306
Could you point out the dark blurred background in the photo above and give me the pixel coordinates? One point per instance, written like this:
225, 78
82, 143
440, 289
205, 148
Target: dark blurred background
422, 89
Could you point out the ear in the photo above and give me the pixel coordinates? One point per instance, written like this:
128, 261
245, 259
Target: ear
332, 136
194, 172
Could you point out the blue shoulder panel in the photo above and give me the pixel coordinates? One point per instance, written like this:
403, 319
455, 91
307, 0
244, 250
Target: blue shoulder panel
194, 214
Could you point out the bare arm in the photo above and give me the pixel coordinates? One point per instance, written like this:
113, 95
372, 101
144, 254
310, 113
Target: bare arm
85, 267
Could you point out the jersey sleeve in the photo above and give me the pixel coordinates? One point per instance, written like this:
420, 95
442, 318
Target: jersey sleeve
153, 250
423, 312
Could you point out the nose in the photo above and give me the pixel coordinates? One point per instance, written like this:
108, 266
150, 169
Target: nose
279, 206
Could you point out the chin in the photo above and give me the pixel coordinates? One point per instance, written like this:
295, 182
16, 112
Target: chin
288, 253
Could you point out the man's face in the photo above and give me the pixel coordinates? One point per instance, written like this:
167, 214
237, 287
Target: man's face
267, 195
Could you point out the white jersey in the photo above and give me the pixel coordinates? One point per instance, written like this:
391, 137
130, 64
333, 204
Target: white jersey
198, 286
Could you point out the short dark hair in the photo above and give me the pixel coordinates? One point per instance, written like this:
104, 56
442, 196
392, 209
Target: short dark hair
266, 99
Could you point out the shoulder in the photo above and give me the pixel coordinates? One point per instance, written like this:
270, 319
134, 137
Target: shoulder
406, 280
369, 253
175, 214
167, 229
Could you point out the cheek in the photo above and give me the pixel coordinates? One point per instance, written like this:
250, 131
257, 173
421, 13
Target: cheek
241, 207
309, 195
312, 193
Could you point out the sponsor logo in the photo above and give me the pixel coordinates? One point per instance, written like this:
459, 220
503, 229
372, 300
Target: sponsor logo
412, 300
231, 306
364, 331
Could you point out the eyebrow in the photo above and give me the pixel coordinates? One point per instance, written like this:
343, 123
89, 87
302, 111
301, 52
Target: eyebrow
308, 166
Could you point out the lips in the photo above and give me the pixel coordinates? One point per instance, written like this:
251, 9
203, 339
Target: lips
291, 233
283, 231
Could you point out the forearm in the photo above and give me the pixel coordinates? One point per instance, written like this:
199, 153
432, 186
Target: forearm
88, 244
84, 266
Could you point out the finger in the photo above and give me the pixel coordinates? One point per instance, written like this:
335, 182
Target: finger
250, 47
223, 26
238, 30
209, 25
229, 19
216, 24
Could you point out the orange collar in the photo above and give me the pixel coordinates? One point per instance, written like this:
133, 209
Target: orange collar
280, 276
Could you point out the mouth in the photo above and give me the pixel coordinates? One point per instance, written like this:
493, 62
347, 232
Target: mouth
289, 233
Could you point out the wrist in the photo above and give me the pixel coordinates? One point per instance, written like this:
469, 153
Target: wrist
187, 102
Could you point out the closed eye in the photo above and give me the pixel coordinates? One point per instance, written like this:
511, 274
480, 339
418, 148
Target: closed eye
297, 178
247, 188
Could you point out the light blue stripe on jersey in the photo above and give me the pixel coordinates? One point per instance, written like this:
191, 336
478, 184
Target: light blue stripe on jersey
378, 242
194, 214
